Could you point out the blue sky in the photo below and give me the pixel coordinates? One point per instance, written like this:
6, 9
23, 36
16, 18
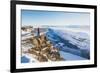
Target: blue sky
33, 17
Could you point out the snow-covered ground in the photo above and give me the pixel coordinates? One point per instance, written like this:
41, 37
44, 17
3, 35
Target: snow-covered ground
68, 56
76, 42
72, 44
76, 37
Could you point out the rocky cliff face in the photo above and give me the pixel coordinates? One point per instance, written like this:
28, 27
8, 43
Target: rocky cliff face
39, 47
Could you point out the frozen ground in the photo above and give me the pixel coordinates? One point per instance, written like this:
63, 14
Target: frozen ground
69, 56
73, 44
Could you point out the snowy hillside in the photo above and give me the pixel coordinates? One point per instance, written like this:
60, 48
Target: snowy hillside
77, 43
72, 45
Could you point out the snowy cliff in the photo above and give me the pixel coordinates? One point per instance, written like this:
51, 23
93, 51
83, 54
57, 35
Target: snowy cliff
77, 43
